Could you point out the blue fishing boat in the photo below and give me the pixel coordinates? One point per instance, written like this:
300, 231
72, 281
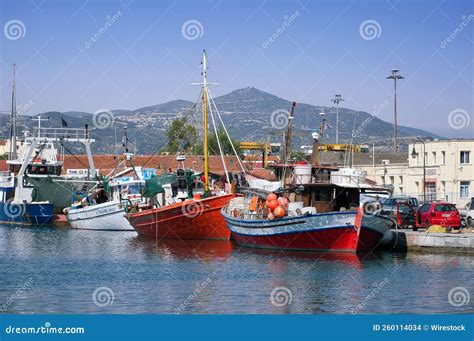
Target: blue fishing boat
13, 210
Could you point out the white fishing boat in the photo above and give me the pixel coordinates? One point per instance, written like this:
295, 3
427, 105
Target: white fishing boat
105, 207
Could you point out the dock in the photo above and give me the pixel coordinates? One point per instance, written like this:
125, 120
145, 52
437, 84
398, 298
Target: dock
407, 240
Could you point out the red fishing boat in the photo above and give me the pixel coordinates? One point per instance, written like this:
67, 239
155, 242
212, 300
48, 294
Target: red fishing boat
195, 213
190, 219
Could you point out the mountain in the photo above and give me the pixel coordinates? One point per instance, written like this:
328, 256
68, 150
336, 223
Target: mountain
249, 114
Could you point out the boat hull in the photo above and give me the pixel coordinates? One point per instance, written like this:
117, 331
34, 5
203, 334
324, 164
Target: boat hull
26, 214
109, 216
337, 231
190, 219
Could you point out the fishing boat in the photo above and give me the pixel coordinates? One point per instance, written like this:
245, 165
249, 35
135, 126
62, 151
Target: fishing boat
323, 214
319, 209
195, 215
16, 211
105, 207
15, 206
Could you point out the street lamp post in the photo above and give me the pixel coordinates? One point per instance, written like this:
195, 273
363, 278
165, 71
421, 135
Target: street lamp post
336, 100
395, 75
414, 155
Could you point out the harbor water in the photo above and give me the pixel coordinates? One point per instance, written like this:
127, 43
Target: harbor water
60, 270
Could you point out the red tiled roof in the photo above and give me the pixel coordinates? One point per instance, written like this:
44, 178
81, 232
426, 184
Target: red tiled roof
106, 163
3, 165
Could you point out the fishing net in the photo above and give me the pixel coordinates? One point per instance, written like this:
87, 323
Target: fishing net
154, 185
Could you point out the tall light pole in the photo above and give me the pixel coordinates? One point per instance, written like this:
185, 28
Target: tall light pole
414, 155
336, 100
395, 75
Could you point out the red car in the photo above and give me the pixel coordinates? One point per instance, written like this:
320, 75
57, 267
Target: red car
438, 213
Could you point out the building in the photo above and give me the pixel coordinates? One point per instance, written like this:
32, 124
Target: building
5, 147
449, 171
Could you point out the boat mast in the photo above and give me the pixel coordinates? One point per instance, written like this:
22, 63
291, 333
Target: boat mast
13, 154
204, 109
288, 135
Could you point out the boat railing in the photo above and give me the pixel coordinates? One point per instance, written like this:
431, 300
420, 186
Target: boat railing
321, 178
61, 133
244, 213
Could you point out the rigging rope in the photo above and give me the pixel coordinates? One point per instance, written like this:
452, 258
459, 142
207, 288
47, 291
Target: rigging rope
218, 141
227, 133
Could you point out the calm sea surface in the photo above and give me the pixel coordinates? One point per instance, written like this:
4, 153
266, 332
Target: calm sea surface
53, 270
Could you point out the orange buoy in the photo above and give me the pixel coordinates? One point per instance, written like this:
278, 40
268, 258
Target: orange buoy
272, 204
279, 212
271, 196
271, 216
283, 202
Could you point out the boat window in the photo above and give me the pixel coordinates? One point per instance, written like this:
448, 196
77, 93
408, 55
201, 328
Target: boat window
323, 194
134, 189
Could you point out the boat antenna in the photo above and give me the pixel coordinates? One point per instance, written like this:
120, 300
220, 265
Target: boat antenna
39, 119
125, 139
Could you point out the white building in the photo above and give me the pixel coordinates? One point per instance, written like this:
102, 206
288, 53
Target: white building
449, 171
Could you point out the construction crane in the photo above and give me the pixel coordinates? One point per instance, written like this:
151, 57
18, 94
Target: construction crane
266, 148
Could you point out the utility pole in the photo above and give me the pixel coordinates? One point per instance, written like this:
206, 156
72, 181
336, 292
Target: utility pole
336, 100
395, 75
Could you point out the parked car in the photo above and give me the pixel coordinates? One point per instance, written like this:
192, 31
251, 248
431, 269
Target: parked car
390, 205
439, 213
467, 215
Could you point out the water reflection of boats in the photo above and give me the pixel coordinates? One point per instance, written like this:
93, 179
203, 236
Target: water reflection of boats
209, 250
356, 260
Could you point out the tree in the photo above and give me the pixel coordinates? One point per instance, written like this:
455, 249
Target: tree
225, 144
181, 136
297, 156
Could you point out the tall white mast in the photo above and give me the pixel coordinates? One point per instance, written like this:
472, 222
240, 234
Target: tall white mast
13, 154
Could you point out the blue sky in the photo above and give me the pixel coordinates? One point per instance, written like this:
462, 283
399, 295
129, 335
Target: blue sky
143, 58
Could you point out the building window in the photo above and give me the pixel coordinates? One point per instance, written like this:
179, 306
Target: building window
426, 158
434, 158
430, 188
392, 180
443, 157
464, 189
465, 157
401, 179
